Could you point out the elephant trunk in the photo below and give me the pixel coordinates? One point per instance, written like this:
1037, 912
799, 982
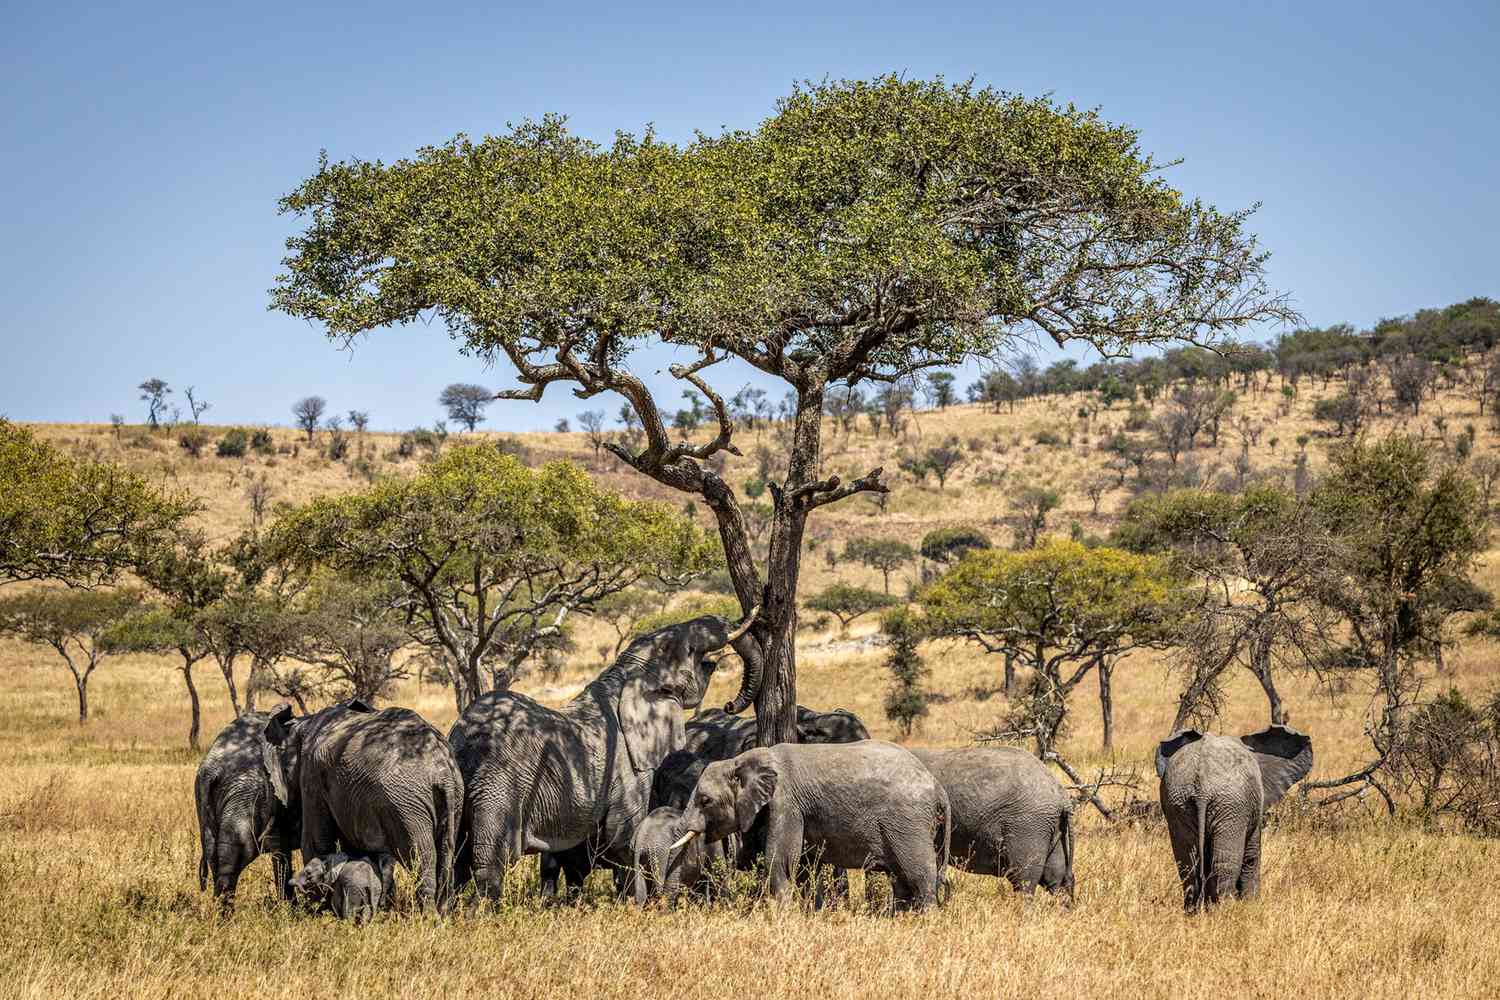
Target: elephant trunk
750, 655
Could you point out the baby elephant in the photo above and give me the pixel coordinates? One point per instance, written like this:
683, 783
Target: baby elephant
353, 888
659, 871
852, 805
1214, 793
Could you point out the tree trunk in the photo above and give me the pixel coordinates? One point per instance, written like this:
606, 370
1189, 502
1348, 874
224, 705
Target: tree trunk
187, 678
226, 667
1260, 658
1106, 703
1010, 673
776, 701
82, 683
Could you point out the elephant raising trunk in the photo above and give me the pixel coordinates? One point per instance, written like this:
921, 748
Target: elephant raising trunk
539, 779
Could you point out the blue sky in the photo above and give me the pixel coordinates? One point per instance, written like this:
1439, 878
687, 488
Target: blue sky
145, 150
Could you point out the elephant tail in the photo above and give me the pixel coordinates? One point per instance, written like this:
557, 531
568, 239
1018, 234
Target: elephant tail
1065, 833
944, 848
208, 828
446, 823
1200, 866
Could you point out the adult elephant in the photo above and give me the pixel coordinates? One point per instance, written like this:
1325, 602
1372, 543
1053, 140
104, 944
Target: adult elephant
239, 815
717, 735
374, 783
549, 780
865, 805
1214, 793
1011, 818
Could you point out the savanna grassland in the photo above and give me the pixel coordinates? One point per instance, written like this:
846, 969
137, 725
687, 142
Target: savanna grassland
99, 850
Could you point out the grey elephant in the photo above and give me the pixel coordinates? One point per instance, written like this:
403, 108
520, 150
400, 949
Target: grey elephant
1011, 817
374, 783
717, 735
549, 780
239, 816
865, 805
1214, 793
658, 870
351, 887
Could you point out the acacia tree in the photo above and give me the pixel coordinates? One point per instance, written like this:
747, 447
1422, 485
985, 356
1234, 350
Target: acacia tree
865, 232
491, 557
847, 602
1262, 558
1405, 529
1061, 610
466, 403
75, 521
308, 411
74, 623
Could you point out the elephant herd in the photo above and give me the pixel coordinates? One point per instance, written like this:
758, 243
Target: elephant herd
616, 779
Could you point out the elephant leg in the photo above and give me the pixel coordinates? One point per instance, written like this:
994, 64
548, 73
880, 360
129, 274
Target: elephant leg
914, 875
320, 832
233, 852
1226, 855
783, 851
1056, 878
424, 847
495, 846
1248, 884
1184, 834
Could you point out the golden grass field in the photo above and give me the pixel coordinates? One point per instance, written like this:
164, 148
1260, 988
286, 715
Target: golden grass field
99, 850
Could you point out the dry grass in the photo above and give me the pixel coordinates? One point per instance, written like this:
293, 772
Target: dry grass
98, 846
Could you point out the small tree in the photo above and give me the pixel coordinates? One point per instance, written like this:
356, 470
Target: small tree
1031, 505
947, 545
939, 390
353, 632
308, 412
74, 521
592, 422
154, 393
880, 554
1344, 411
1060, 610
1097, 487
197, 407
943, 460
1403, 528
907, 697
847, 602
466, 403
491, 557
75, 624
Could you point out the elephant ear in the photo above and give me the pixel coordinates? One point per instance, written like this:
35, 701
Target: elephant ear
755, 774
650, 725
277, 732
1169, 746
1284, 756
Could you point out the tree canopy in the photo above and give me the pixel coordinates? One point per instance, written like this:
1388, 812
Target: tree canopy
866, 230
75, 521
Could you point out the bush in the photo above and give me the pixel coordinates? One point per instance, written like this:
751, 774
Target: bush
1137, 419
516, 448
906, 699
1048, 438
946, 545
262, 443
193, 440
233, 444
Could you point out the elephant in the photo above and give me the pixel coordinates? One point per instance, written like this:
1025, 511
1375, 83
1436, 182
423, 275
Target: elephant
239, 816
549, 780
865, 805
353, 888
658, 871
717, 735
374, 783
1214, 793
1011, 817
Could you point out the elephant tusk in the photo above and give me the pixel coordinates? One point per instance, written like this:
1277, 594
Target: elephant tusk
683, 840
744, 626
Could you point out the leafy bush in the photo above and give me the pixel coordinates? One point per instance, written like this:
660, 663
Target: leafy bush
262, 443
193, 440
950, 544
233, 444
1048, 438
